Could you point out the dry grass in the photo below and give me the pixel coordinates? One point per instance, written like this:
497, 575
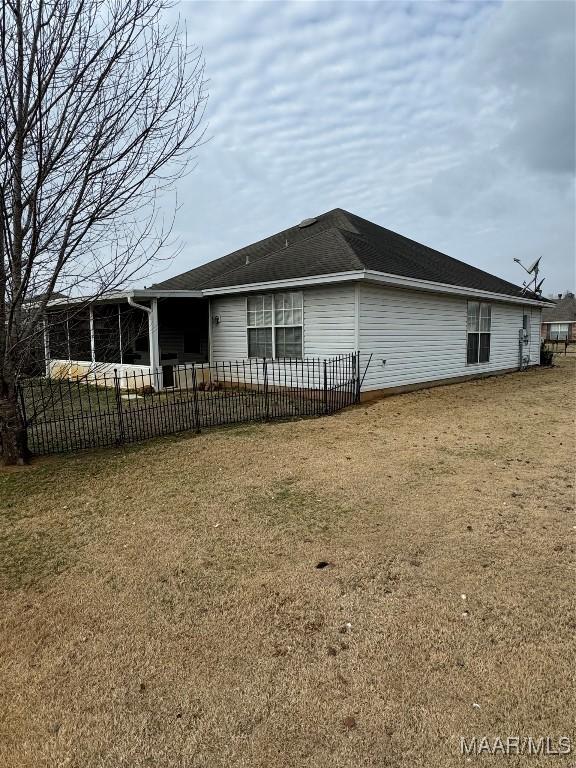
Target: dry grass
161, 605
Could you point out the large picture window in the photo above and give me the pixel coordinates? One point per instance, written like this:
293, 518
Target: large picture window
274, 323
479, 323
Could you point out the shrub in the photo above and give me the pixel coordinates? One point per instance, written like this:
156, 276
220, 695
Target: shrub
546, 355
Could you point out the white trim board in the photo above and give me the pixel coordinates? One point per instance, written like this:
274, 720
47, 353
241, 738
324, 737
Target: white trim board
385, 278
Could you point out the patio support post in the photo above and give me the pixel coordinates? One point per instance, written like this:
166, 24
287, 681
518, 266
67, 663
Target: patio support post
92, 342
46, 347
153, 344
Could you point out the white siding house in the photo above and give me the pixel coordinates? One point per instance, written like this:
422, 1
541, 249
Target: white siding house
332, 285
410, 337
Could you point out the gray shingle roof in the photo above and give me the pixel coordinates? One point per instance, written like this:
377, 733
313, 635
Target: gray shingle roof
338, 241
563, 312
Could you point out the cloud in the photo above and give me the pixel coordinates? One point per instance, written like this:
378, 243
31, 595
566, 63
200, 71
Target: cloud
527, 54
450, 122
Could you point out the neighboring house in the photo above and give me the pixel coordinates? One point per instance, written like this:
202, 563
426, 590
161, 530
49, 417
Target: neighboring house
559, 320
333, 284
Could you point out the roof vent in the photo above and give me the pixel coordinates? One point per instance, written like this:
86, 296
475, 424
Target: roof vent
307, 223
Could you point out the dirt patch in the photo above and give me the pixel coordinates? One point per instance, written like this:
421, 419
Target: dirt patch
162, 604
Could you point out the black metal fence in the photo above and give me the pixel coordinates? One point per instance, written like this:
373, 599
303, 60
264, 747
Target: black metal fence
102, 409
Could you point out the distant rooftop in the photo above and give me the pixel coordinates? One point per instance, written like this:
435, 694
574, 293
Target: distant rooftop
563, 312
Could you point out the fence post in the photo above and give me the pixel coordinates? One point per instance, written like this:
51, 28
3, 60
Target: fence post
121, 435
195, 395
357, 371
266, 403
325, 389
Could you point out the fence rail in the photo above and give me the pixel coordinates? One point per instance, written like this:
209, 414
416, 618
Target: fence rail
72, 414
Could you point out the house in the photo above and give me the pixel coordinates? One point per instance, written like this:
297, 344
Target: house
559, 320
333, 284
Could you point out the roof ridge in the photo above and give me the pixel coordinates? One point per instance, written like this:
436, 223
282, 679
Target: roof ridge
435, 251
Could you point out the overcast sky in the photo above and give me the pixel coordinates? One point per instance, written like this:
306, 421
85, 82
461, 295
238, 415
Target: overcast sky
451, 123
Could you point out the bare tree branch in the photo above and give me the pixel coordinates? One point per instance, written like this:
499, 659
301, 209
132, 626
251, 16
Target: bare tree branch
101, 105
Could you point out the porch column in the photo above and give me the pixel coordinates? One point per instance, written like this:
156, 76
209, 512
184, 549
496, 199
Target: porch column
46, 347
92, 342
153, 345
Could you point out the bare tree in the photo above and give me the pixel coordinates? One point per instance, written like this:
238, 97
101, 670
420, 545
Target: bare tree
101, 103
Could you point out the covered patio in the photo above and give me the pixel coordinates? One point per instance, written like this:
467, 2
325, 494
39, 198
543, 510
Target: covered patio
155, 335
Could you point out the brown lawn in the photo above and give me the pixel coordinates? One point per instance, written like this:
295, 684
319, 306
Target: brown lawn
161, 606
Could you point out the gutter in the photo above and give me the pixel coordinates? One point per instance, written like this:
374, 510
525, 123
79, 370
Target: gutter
396, 281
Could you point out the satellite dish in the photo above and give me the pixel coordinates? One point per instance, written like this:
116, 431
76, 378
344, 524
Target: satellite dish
307, 223
534, 286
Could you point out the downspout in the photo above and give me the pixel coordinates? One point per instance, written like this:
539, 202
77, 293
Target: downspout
138, 306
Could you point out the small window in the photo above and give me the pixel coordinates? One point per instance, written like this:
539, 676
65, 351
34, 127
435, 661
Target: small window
479, 322
558, 331
259, 311
288, 309
259, 342
274, 324
289, 342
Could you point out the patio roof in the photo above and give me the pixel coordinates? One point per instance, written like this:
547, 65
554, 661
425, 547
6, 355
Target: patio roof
118, 296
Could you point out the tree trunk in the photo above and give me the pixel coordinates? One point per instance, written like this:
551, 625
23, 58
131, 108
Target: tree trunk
13, 433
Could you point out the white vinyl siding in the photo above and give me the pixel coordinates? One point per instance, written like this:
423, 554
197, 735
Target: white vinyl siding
228, 337
535, 325
328, 323
422, 337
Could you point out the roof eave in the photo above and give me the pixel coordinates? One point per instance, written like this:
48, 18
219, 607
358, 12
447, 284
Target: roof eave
397, 281
460, 290
292, 282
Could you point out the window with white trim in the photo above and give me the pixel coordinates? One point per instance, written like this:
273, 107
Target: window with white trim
558, 331
478, 331
274, 325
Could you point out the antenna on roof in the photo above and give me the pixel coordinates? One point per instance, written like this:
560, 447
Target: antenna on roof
534, 286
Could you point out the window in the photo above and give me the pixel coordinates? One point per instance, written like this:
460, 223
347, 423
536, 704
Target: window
558, 331
274, 324
288, 342
260, 342
479, 322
